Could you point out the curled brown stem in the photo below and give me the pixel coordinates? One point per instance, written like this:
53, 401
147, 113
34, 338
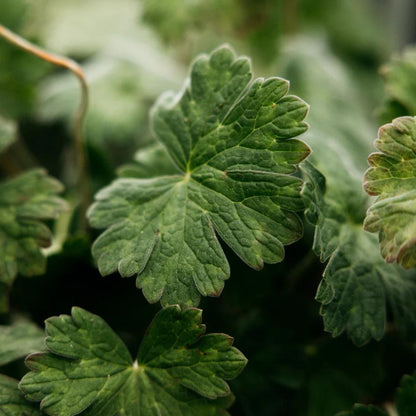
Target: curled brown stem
82, 180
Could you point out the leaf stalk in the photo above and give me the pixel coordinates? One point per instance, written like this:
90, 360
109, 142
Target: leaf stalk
77, 128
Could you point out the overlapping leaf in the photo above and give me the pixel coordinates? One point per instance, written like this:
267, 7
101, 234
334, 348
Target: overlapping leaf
18, 340
25, 201
392, 177
357, 284
89, 371
12, 401
232, 143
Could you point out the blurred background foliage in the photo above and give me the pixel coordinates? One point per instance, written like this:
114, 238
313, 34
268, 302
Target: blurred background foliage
351, 60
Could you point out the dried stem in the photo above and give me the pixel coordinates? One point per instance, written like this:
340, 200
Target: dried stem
82, 180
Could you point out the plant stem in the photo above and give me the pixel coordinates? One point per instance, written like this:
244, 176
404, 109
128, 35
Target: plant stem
391, 409
81, 159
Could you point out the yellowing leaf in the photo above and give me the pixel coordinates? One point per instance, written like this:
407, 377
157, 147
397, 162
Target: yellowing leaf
392, 177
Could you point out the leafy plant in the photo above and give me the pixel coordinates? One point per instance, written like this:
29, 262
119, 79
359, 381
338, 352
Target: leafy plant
215, 184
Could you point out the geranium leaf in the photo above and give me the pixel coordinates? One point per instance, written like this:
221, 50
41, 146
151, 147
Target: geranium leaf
12, 401
89, 371
357, 284
149, 162
25, 202
232, 144
18, 340
392, 177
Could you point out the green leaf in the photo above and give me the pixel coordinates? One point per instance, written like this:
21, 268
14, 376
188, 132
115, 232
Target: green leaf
8, 132
399, 76
406, 396
89, 371
12, 401
361, 410
25, 201
149, 162
392, 177
18, 340
356, 284
232, 142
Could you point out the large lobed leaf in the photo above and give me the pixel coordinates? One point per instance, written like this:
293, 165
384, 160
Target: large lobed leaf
25, 201
392, 177
233, 147
89, 371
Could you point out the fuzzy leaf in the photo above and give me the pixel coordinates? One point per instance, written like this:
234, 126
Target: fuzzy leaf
232, 143
12, 401
25, 201
89, 371
392, 177
357, 284
19, 340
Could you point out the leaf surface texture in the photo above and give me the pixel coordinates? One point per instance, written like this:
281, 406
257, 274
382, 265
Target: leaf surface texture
89, 371
232, 144
392, 177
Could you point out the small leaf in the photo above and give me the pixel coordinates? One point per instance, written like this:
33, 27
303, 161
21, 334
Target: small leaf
8, 132
25, 201
233, 147
89, 371
392, 177
12, 401
19, 340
